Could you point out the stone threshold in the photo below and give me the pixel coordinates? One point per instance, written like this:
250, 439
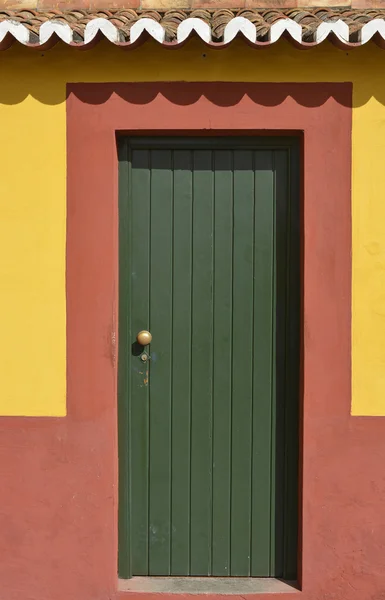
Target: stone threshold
208, 585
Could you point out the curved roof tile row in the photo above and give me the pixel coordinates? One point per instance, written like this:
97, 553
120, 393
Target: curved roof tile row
128, 28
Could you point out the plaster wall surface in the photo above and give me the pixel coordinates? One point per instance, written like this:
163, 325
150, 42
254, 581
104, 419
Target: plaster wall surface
33, 199
58, 507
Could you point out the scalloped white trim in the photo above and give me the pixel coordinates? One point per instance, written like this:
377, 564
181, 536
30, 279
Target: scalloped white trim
339, 28
18, 30
107, 28
240, 25
62, 30
282, 25
369, 29
193, 24
236, 25
152, 27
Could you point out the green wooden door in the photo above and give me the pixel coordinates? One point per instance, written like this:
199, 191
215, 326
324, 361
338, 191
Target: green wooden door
208, 426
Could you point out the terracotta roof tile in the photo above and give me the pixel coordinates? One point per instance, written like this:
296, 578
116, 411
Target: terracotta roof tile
304, 27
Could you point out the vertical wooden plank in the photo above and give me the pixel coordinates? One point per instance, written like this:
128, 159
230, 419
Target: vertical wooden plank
223, 235
181, 365
161, 361
279, 372
263, 362
201, 398
139, 398
292, 368
124, 557
242, 361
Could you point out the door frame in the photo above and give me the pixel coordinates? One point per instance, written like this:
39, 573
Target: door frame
322, 113
285, 545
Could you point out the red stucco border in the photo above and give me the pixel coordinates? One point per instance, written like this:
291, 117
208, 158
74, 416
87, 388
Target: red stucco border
322, 113
58, 507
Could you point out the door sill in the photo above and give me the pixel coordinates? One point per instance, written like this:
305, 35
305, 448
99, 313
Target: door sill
207, 585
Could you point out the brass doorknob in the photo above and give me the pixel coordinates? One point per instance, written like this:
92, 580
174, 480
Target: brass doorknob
144, 338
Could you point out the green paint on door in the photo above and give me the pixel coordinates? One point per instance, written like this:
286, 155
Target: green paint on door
208, 426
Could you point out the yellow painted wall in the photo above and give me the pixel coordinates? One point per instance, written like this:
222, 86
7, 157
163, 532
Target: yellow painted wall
33, 196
